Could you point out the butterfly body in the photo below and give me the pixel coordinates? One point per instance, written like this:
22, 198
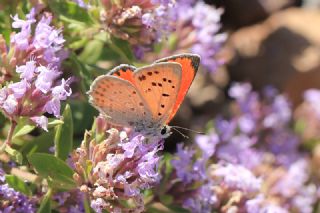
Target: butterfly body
144, 98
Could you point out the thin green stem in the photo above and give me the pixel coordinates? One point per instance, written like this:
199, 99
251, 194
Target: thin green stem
10, 133
86, 204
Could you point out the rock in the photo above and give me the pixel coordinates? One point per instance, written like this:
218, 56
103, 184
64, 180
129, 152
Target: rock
238, 13
283, 51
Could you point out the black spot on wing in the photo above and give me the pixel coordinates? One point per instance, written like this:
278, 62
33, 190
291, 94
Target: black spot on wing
142, 78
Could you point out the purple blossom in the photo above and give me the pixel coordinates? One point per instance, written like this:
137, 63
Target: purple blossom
45, 78
161, 18
294, 180
207, 144
81, 3
205, 20
237, 177
98, 205
254, 205
15, 201
273, 208
72, 201
240, 91
183, 164
280, 113
239, 150
10, 105
27, 71
130, 165
45, 43
19, 89
312, 96
305, 199
38, 90
203, 201
41, 121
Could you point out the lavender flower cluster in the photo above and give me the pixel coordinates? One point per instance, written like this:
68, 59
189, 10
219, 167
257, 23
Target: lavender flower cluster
117, 168
255, 161
13, 201
203, 23
35, 55
139, 22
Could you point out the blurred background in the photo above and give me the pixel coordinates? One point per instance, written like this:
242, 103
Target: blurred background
270, 42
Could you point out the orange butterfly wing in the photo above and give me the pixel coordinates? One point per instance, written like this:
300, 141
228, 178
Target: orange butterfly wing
189, 64
124, 71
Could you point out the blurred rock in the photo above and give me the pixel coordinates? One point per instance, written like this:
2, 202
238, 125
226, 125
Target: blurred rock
311, 3
284, 51
243, 13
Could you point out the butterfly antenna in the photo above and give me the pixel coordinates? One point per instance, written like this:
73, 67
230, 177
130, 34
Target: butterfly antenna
191, 130
183, 135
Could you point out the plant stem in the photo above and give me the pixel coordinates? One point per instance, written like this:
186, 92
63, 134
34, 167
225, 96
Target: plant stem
10, 133
86, 204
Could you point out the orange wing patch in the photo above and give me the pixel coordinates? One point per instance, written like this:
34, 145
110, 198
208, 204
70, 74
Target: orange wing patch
124, 71
189, 64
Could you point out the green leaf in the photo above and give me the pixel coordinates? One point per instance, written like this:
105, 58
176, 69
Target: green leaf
83, 116
92, 52
177, 209
82, 72
160, 208
18, 184
14, 154
38, 144
64, 135
70, 10
56, 171
123, 48
45, 206
23, 128
54, 122
166, 199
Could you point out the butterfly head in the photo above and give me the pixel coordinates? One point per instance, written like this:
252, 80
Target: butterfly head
153, 130
165, 131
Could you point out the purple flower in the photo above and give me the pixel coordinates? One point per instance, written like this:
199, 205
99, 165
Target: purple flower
205, 22
19, 89
305, 199
207, 144
294, 180
203, 201
38, 63
27, 71
16, 201
280, 113
123, 167
225, 128
98, 205
41, 121
312, 96
237, 177
82, 4
45, 78
10, 105
273, 208
59, 93
71, 201
239, 150
247, 124
254, 205
183, 164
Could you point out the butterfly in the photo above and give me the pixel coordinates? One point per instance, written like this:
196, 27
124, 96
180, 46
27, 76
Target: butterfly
145, 98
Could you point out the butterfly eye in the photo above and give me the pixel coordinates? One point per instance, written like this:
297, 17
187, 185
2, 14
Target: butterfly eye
164, 130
